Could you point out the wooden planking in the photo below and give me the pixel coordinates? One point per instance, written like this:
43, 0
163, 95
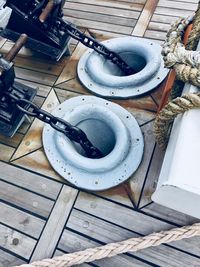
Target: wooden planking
6, 152
8, 260
140, 104
152, 177
23, 179
115, 16
118, 20
69, 71
169, 214
55, 224
37, 162
101, 26
118, 194
105, 7
186, 1
71, 242
130, 5
137, 180
166, 13
144, 18
119, 215
100, 230
21, 221
2, 42
155, 35
164, 19
173, 11
25, 199
134, 221
16, 242
157, 26
35, 76
14, 141
176, 4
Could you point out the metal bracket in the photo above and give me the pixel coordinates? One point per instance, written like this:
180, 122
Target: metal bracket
11, 118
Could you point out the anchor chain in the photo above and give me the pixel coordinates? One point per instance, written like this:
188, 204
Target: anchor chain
72, 132
92, 43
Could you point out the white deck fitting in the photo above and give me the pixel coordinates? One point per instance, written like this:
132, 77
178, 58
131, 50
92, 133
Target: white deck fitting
179, 182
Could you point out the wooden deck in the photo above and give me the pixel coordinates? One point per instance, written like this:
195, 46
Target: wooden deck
41, 215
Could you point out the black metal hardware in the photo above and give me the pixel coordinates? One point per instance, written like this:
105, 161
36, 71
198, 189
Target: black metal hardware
42, 21
72, 132
10, 118
16, 102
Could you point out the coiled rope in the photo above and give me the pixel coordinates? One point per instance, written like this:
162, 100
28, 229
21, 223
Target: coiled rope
186, 64
166, 116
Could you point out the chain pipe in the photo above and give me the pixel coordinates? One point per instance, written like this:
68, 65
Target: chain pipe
72, 132
96, 46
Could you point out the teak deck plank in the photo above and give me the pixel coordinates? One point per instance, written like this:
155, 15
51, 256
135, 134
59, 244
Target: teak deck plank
26, 200
16, 242
8, 260
88, 225
55, 224
21, 221
41, 214
72, 241
23, 179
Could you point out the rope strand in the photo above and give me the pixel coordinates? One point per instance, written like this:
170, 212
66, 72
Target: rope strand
113, 249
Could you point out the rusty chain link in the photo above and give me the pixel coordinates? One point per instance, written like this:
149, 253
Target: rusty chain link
90, 42
72, 132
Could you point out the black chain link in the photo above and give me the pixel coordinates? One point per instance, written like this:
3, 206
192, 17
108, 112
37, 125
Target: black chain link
72, 132
90, 42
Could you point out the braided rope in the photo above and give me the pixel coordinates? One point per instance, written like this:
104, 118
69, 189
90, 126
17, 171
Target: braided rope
186, 63
113, 249
166, 116
195, 33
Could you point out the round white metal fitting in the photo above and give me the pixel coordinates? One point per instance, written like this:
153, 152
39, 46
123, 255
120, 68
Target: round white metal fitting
110, 128
104, 78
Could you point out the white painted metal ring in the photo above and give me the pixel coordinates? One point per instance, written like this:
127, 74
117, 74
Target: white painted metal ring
109, 127
103, 78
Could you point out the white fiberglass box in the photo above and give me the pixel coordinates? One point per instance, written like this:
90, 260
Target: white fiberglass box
179, 182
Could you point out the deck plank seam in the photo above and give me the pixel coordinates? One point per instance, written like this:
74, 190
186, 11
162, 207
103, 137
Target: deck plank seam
66, 223
19, 231
46, 223
50, 222
28, 190
146, 176
104, 243
24, 210
131, 231
13, 254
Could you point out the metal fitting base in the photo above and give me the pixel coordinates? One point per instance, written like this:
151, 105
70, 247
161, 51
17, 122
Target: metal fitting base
105, 79
11, 118
110, 128
53, 52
